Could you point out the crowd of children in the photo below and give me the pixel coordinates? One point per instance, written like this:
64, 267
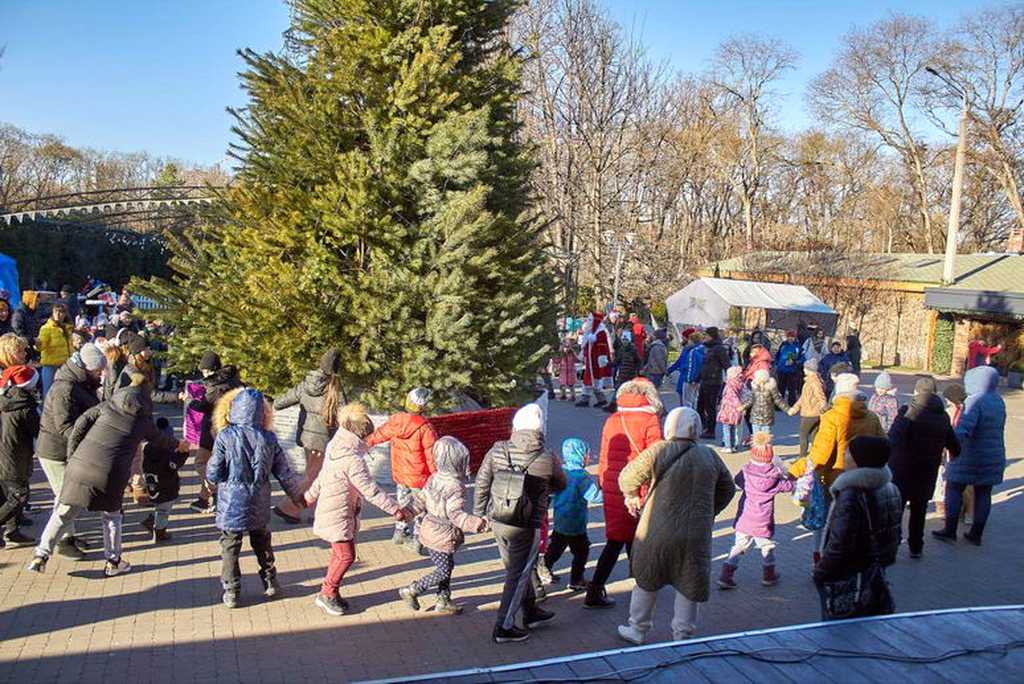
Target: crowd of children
98, 429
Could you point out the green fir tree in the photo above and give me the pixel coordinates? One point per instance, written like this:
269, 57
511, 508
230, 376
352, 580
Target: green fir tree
381, 206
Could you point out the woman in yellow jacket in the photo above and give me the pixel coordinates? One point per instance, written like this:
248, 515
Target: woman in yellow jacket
54, 344
849, 417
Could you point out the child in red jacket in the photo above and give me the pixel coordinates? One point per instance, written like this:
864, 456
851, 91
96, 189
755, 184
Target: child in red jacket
412, 460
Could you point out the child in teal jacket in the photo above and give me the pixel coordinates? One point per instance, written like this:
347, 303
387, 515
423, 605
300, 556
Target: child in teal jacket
570, 512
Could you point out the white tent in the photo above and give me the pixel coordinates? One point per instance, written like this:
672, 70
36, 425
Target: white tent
707, 302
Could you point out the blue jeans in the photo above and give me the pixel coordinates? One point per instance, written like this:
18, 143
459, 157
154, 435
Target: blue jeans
761, 428
730, 436
46, 378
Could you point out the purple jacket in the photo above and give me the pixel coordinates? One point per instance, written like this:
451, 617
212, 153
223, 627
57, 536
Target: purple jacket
760, 483
193, 425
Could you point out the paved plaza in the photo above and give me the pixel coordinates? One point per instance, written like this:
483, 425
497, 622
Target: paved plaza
165, 622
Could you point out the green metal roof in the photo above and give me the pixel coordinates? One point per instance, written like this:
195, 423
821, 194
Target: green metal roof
988, 272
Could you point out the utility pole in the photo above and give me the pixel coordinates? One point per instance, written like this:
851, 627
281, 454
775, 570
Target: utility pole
953, 228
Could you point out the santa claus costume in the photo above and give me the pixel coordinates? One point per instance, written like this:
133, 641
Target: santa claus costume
597, 362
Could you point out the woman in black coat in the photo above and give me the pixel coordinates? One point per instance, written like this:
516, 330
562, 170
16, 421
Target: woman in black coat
919, 434
19, 426
101, 448
319, 396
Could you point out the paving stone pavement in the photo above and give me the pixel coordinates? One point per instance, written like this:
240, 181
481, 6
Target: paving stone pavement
164, 621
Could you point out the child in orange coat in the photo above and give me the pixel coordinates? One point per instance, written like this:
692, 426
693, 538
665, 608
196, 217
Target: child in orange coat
412, 457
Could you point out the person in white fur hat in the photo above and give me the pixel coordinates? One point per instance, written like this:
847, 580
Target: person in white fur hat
513, 490
688, 484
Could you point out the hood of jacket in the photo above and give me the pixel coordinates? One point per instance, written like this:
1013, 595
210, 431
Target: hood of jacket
574, 453
852, 409
761, 355
73, 373
863, 478
527, 441
16, 399
981, 379
247, 409
316, 382
765, 384
344, 443
930, 403
132, 401
712, 342
638, 395
451, 457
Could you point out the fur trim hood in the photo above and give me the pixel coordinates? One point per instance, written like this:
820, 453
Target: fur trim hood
222, 410
862, 478
763, 381
638, 395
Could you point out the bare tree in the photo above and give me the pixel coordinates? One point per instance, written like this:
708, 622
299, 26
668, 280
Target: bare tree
744, 69
873, 86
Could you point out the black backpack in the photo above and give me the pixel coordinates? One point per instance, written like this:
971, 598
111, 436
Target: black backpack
510, 504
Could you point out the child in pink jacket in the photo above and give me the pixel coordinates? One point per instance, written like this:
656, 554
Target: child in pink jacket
443, 529
339, 490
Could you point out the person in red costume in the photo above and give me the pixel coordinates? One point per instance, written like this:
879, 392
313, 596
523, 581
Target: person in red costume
597, 361
980, 354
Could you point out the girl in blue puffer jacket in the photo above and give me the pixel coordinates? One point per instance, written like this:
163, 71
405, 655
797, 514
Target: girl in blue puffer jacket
245, 454
570, 507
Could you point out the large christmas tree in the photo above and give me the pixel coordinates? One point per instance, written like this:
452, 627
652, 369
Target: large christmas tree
380, 206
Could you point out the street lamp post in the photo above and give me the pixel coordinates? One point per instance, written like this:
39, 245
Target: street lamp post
953, 228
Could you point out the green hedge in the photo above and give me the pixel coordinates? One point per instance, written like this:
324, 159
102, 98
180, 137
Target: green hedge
60, 253
942, 345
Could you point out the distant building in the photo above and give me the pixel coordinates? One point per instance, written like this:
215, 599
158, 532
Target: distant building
899, 305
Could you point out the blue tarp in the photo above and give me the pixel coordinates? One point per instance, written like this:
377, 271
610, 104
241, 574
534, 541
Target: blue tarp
9, 279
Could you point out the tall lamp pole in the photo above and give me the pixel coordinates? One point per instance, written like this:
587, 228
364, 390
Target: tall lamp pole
953, 229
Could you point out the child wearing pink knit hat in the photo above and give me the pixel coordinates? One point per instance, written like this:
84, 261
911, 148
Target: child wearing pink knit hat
761, 478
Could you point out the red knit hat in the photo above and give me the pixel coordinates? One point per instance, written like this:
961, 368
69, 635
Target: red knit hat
20, 376
761, 450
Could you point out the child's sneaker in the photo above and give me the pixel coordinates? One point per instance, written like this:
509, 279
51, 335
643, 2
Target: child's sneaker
446, 606
200, 505
37, 564
160, 536
544, 573
149, 522
333, 605
408, 594
577, 586
230, 599
118, 567
398, 537
769, 578
725, 579
271, 587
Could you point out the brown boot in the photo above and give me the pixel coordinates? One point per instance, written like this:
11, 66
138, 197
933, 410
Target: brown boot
161, 536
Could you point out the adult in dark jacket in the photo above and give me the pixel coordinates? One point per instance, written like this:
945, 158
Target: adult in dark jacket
217, 381
101, 447
853, 350
712, 377
864, 500
518, 542
319, 396
19, 425
627, 363
23, 320
72, 394
918, 436
982, 459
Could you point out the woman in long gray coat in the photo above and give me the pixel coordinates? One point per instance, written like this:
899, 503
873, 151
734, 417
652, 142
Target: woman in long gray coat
689, 486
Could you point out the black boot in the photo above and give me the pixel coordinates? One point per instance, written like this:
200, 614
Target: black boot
597, 598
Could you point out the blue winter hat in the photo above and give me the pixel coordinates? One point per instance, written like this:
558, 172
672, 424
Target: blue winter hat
575, 453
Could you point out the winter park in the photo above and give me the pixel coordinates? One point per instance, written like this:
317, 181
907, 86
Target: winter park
511, 341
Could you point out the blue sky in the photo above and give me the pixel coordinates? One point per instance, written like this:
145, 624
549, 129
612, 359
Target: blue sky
156, 75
